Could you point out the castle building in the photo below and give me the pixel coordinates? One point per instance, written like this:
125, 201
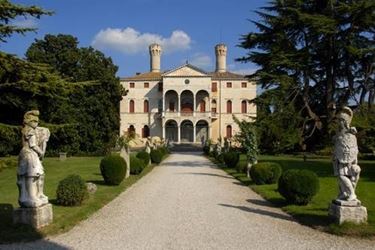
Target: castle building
186, 104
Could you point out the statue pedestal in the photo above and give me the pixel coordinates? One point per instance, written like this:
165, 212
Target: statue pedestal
348, 211
37, 217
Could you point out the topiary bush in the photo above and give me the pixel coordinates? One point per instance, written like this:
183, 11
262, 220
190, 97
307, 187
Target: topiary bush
145, 157
136, 165
298, 186
265, 173
156, 156
71, 191
113, 169
163, 151
206, 149
231, 159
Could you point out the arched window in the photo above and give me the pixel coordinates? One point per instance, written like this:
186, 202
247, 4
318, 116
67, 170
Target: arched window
131, 129
145, 131
244, 107
131, 106
145, 106
229, 131
229, 107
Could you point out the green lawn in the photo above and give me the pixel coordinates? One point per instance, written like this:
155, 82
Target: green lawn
64, 217
315, 214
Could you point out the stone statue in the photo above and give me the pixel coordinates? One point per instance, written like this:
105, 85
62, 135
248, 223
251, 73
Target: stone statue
148, 147
30, 174
345, 153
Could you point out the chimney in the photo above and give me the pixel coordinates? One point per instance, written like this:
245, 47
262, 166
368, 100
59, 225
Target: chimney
155, 52
221, 58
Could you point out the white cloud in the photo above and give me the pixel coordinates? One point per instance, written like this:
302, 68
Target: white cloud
25, 22
131, 41
201, 61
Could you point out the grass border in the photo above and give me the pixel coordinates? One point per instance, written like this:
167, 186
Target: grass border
346, 229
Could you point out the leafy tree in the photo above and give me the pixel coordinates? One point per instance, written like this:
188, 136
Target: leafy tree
9, 11
319, 53
96, 106
248, 140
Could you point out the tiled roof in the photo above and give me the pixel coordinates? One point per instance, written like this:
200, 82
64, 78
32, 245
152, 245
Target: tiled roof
157, 76
226, 75
149, 76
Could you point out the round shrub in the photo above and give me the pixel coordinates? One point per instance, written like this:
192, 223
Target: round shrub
156, 156
144, 156
113, 169
206, 149
136, 165
163, 151
71, 191
265, 173
231, 159
298, 186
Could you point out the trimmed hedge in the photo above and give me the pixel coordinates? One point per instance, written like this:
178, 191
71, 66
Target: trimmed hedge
156, 156
298, 186
71, 191
265, 173
136, 165
231, 159
113, 169
144, 156
10, 139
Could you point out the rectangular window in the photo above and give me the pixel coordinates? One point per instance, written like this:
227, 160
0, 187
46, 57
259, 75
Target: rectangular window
244, 84
131, 85
214, 87
229, 84
146, 85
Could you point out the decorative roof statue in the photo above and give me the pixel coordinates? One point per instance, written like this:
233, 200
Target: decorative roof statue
345, 164
30, 174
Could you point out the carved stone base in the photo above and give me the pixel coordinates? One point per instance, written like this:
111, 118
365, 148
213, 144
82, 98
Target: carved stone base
348, 213
37, 217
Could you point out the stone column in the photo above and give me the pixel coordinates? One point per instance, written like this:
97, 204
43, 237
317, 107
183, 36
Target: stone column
194, 133
163, 130
178, 133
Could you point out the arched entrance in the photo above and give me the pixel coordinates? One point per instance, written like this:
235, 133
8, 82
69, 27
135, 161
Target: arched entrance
187, 131
171, 130
201, 131
187, 101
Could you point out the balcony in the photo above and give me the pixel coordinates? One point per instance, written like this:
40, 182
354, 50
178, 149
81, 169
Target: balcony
173, 115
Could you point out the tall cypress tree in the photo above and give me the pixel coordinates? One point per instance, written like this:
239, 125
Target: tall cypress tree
319, 53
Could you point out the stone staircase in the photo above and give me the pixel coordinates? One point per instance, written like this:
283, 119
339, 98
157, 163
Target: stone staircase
186, 147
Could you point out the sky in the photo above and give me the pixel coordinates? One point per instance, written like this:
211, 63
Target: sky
188, 30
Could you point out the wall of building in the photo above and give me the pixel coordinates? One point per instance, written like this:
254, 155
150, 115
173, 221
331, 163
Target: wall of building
139, 119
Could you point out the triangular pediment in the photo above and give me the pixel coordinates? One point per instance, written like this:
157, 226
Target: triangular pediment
186, 70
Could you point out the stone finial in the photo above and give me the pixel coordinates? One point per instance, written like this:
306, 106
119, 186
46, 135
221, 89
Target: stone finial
155, 53
221, 58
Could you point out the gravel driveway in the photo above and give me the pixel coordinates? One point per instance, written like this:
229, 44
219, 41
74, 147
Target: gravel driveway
187, 203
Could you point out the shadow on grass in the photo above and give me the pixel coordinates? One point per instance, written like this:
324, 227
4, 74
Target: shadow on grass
314, 220
10, 232
261, 212
272, 202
